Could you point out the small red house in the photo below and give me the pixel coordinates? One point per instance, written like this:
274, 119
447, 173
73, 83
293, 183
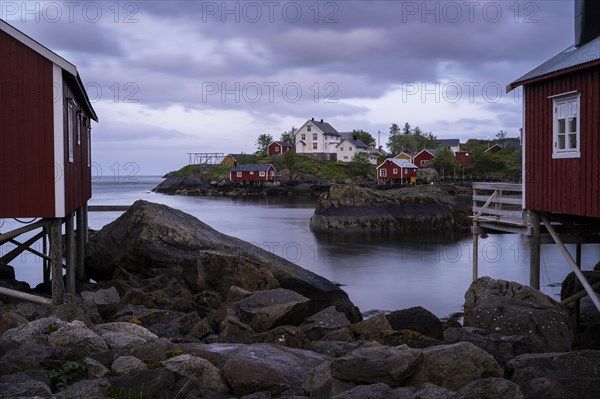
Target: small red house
252, 173
424, 157
561, 138
45, 126
280, 147
464, 158
494, 149
396, 169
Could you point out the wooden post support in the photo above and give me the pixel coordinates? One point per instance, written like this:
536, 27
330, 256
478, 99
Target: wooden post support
86, 226
80, 245
534, 251
70, 252
45, 263
58, 288
578, 286
475, 250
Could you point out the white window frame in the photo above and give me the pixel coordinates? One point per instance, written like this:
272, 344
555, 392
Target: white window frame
309, 128
382, 172
350, 148
79, 121
303, 137
315, 146
315, 136
70, 137
262, 174
276, 148
89, 144
238, 174
395, 171
566, 98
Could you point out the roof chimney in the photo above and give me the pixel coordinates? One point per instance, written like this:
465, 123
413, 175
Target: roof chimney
312, 119
321, 120
587, 15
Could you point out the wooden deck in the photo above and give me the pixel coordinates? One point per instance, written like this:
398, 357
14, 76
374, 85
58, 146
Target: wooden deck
498, 207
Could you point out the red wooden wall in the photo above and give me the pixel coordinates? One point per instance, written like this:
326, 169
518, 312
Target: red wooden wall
26, 132
572, 185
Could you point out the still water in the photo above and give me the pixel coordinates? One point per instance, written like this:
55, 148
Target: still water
379, 272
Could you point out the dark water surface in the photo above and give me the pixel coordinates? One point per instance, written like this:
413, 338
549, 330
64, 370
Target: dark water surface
379, 272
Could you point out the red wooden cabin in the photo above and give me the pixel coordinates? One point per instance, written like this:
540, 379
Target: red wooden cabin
252, 173
45, 125
424, 157
280, 147
396, 169
494, 149
562, 124
464, 158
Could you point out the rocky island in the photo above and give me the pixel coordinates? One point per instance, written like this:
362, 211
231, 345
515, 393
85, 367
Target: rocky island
180, 310
422, 208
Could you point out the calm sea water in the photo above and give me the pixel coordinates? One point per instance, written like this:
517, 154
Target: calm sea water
379, 272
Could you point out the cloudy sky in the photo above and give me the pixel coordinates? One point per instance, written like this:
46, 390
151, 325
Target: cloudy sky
168, 77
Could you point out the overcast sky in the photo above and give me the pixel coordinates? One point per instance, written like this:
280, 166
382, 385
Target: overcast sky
167, 77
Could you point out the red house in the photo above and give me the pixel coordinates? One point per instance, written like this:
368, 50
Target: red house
424, 157
494, 149
562, 124
464, 158
45, 124
396, 169
252, 173
280, 147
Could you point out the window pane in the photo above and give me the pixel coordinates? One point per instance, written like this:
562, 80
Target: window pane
573, 141
573, 108
562, 110
561, 126
561, 142
572, 125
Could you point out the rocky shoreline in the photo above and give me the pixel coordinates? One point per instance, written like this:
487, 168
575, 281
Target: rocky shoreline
183, 311
423, 208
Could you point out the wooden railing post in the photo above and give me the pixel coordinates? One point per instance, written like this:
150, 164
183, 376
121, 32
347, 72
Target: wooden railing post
70, 252
58, 288
534, 251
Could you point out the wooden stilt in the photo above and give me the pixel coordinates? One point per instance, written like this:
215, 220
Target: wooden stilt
86, 226
45, 263
475, 251
534, 251
578, 286
24, 296
70, 253
80, 245
58, 288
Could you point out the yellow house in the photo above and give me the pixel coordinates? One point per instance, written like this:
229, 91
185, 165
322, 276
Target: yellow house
405, 155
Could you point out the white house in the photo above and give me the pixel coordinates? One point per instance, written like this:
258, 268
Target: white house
316, 137
453, 144
348, 148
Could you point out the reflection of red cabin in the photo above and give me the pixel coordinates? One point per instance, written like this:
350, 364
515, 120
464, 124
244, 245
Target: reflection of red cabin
464, 158
424, 157
255, 172
45, 125
396, 169
280, 147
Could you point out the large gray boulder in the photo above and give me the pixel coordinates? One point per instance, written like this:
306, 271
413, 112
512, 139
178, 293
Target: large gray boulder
379, 364
325, 321
417, 319
198, 369
454, 366
152, 236
75, 341
86, 389
264, 310
490, 388
348, 207
509, 308
574, 372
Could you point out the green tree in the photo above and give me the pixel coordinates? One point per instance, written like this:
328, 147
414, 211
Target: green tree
363, 136
262, 142
411, 140
445, 161
485, 162
289, 161
392, 143
361, 164
289, 137
501, 136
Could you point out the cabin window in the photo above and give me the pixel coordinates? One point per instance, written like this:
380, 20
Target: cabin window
262, 174
315, 136
350, 148
383, 172
251, 173
341, 148
276, 149
345, 156
303, 137
566, 132
70, 130
309, 128
395, 171
79, 121
314, 146
89, 145
239, 174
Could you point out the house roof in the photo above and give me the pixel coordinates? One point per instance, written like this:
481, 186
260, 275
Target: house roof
432, 152
239, 157
511, 144
283, 144
495, 146
449, 142
569, 58
326, 128
356, 143
410, 154
260, 167
69, 70
401, 163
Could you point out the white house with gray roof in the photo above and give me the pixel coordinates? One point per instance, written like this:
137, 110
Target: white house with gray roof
348, 148
317, 137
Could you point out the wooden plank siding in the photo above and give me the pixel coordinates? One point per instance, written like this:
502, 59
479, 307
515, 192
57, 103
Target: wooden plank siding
570, 185
26, 132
